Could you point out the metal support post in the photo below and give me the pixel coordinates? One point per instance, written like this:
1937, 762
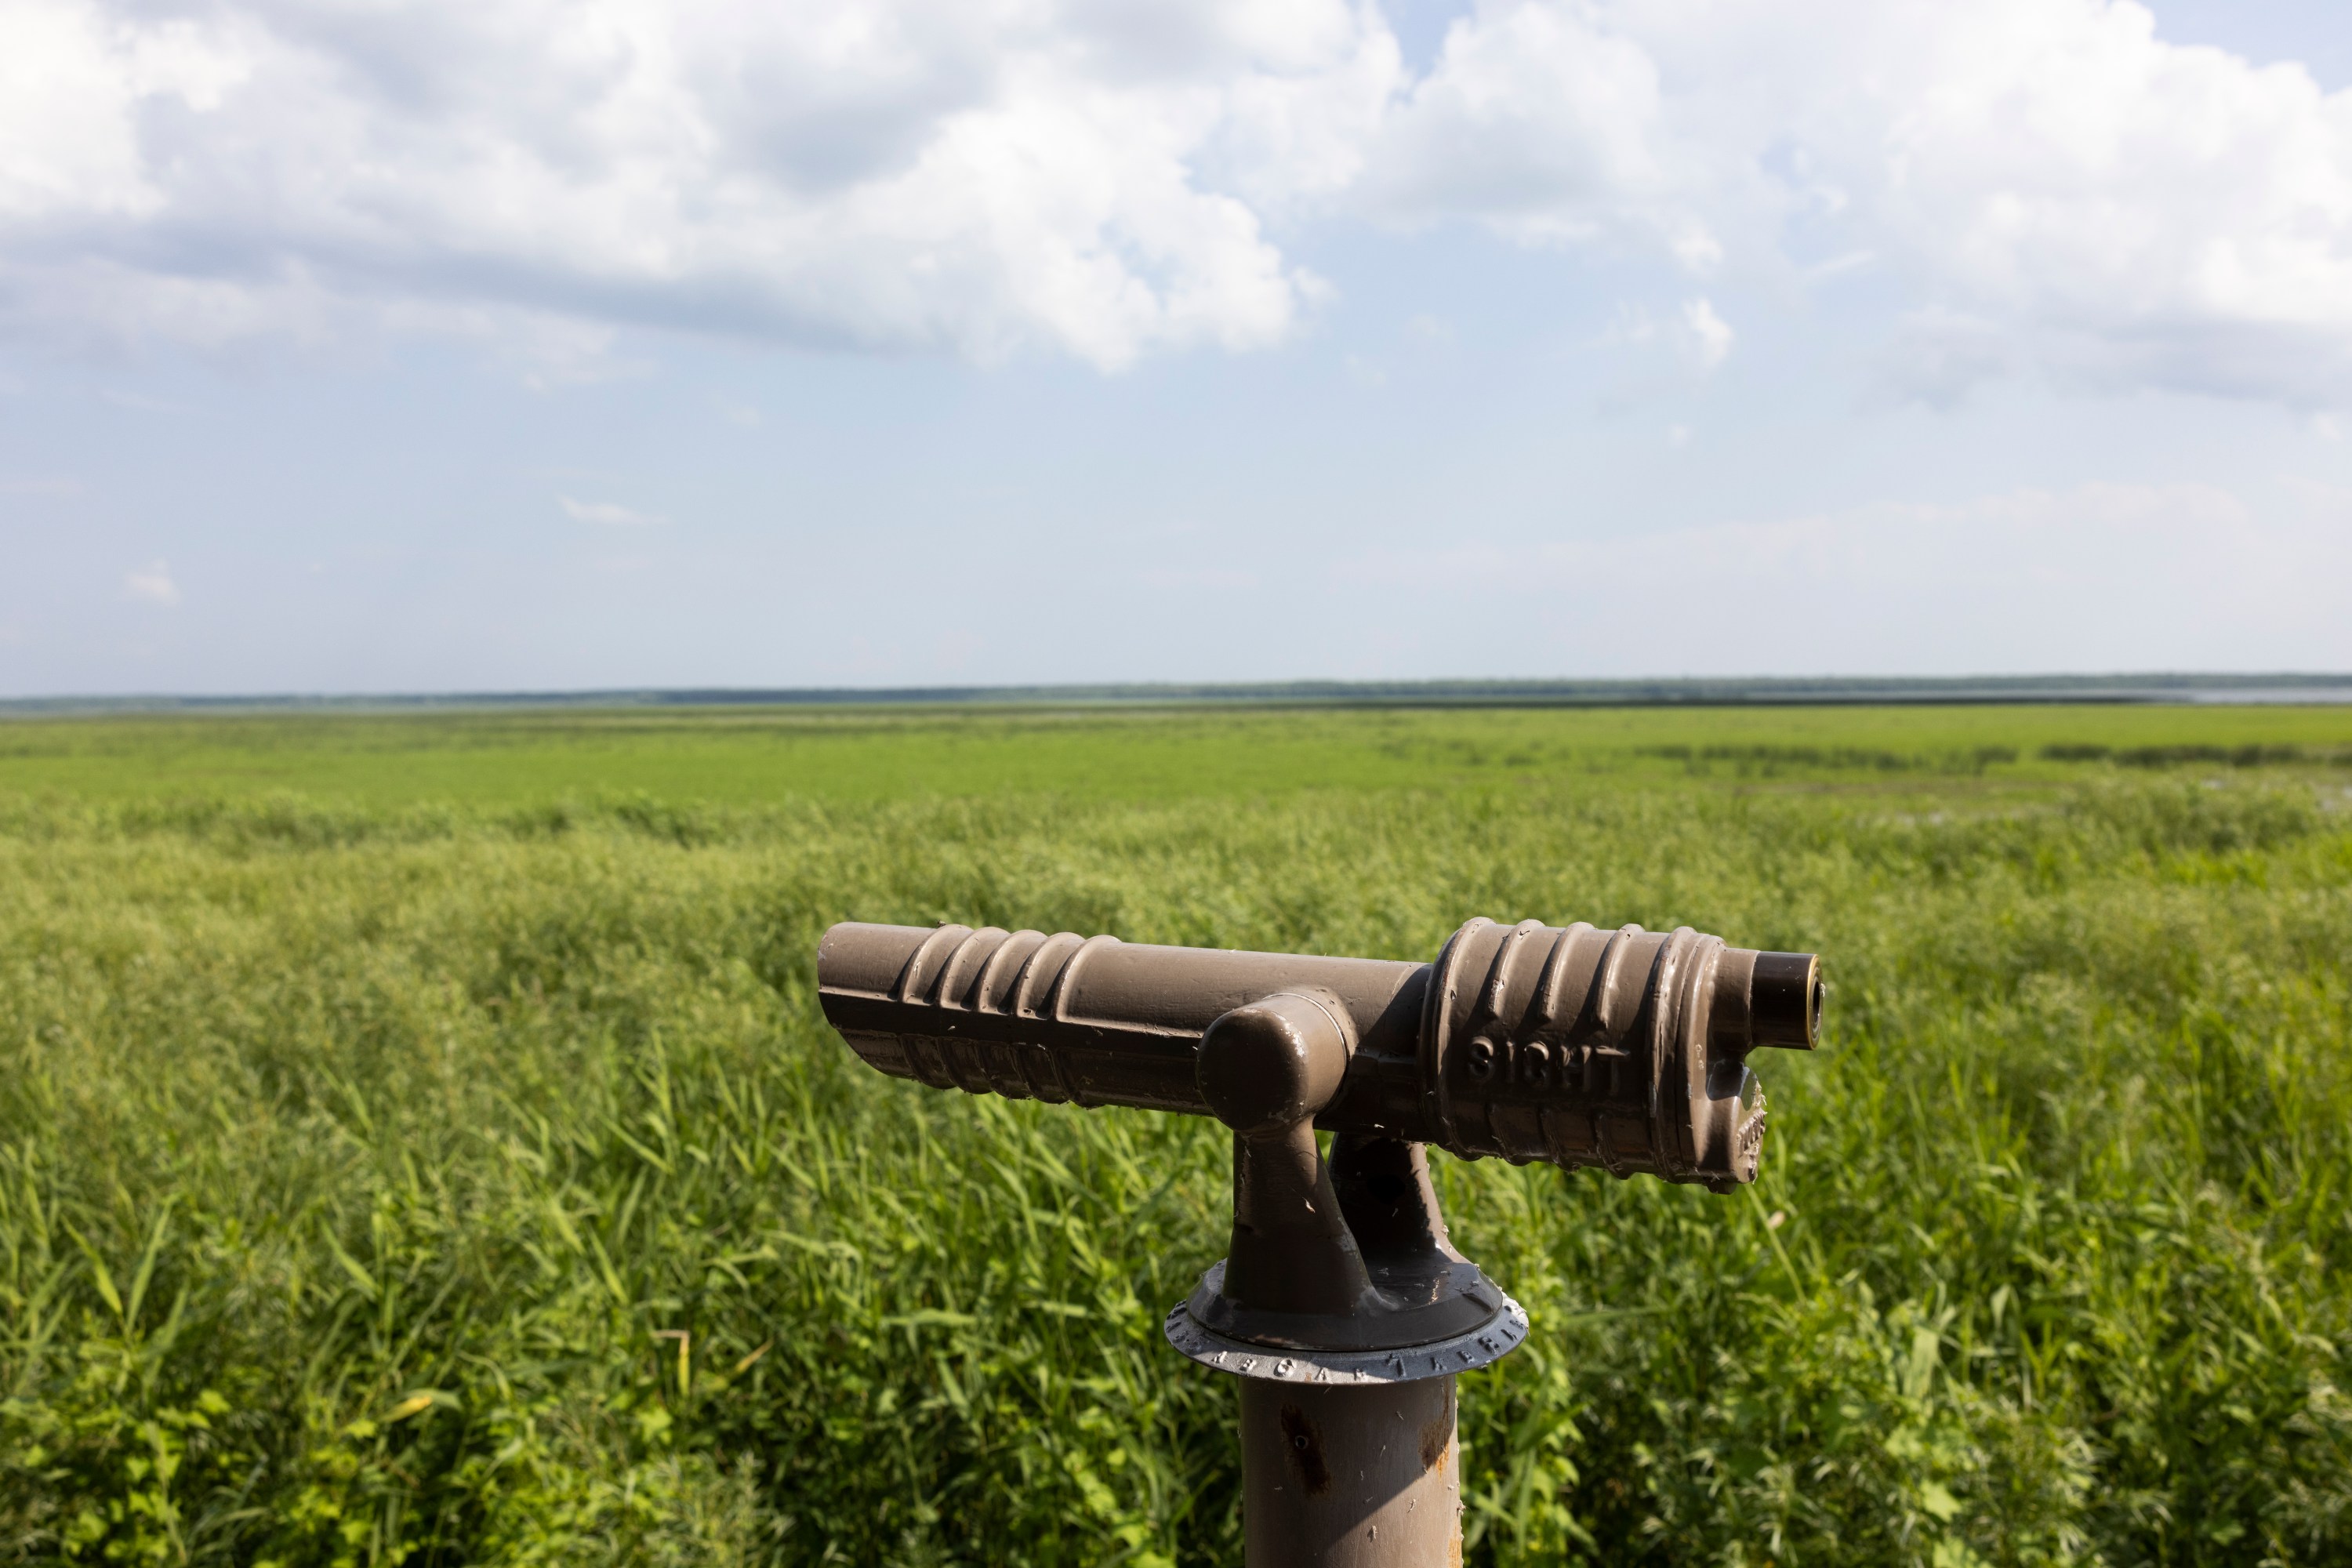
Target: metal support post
1341, 1306
1350, 1476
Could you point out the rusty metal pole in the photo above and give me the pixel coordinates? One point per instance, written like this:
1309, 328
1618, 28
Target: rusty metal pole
1341, 1305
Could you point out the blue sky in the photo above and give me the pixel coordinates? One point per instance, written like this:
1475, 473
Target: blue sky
517, 345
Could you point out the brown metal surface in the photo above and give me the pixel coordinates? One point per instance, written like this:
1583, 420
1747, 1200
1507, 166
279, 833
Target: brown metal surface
1341, 1304
1336, 1259
1624, 1049
1350, 1478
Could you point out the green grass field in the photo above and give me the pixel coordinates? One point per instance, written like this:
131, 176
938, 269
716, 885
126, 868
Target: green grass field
419, 1144
759, 757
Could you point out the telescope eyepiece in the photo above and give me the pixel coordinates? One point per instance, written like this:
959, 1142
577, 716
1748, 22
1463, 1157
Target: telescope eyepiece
1784, 1006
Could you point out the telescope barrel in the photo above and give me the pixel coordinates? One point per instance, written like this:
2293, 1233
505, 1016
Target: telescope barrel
1624, 1049
1342, 1303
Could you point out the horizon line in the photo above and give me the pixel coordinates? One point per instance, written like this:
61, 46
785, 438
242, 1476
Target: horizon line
2149, 687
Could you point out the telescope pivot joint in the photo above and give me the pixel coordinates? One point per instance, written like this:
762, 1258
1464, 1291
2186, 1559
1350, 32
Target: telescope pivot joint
1338, 1271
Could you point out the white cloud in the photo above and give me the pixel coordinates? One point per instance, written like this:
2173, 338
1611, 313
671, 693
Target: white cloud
918, 175
1540, 121
1694, 333
1706, 337
608, 514
151, 582
2061, 190
2051, 187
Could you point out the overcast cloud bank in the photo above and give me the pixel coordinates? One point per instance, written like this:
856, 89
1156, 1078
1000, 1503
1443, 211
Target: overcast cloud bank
2047, 185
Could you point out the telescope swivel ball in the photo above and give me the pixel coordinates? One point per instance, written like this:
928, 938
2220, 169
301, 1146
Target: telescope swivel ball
1269, 1065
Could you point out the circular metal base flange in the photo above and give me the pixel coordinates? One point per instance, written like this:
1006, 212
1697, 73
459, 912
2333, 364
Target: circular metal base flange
1488, 1342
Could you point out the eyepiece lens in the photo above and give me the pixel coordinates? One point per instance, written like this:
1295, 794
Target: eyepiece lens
1784, 1000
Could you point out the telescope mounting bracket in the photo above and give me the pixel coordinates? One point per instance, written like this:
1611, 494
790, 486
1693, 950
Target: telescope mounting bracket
1338, 1271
